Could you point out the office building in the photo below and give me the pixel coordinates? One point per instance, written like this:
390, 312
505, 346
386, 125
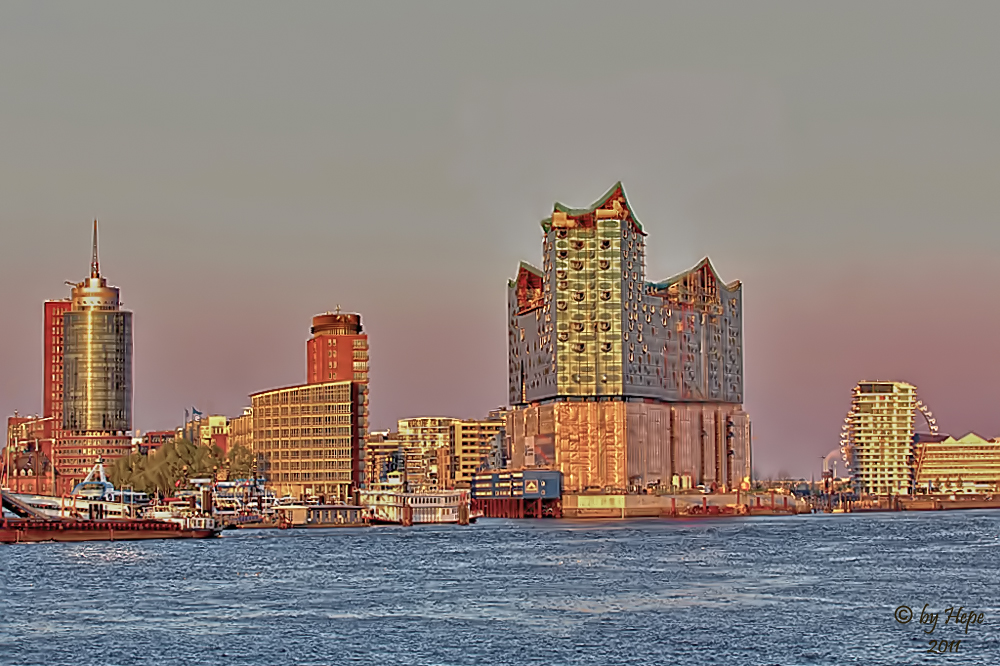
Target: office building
96, 376
308, 439
421, 439
337, 350
468, 451
383, 457
945, 465
241, 429
52, 359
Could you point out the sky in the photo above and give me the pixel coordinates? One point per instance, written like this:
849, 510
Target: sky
254, 164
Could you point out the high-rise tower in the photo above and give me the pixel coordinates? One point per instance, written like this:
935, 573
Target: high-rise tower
878, 437
619, 383
97, 363
337, 350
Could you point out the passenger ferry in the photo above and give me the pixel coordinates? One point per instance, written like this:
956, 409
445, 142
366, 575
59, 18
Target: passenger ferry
401, 508
187, 518
94, 498
321, 515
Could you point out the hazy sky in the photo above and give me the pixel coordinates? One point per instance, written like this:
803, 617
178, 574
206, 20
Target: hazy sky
254, 164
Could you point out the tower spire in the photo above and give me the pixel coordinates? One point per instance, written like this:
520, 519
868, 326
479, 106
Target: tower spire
95, 266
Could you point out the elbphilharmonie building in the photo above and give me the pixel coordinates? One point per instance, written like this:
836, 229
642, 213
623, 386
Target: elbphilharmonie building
620, 383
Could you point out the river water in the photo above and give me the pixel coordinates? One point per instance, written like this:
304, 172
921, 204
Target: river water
820, 589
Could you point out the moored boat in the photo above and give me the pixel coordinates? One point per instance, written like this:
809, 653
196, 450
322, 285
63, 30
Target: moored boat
321, 516
94, 498
29, 530
22, 523
447, 506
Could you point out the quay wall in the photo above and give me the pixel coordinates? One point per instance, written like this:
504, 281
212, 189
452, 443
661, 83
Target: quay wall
655, 506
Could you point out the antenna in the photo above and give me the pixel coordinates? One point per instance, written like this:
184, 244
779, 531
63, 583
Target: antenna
95, 266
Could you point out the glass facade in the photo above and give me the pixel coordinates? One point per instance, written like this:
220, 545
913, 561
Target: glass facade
97, 366
621, 383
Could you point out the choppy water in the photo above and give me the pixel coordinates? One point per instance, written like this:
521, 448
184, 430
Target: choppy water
794, 590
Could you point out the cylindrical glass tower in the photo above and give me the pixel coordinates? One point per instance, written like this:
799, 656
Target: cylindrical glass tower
97, 359
98, 371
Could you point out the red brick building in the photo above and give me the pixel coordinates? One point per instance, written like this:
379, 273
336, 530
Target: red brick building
337, 350
52, 384
27, 458
154, 439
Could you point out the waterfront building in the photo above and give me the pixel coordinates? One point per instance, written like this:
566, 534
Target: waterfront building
499, 453
153, 440
211, 430
27, 457
96, 364
337, 350
468, 450
421, 438
383, 456
307, 439
53, 345
241, 429
879, 434
619, 383
946, 465
444, 461
86, 386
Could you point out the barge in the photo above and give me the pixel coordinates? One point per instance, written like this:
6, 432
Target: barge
27, 524
29, 530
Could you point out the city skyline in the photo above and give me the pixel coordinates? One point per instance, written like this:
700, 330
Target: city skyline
856, 206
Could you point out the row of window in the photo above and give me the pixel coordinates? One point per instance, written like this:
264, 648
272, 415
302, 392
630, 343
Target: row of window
305, 395
305, 432
342, 452
337, 408
303, 420
344, 477
316, 464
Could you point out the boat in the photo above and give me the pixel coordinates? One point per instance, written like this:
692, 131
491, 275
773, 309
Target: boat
23, 523
403, 508
321, 515
94, 498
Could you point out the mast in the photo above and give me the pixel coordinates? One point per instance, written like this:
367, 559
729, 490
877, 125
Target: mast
95, 266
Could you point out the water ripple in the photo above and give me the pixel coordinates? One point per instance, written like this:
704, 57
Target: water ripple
804, 590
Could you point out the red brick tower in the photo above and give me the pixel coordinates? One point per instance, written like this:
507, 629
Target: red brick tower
337, 350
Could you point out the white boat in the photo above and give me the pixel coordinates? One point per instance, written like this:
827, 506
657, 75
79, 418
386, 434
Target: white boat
386, 506
94, 498
187, 519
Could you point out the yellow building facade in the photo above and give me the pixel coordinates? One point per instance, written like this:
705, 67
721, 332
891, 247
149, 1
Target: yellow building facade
307, 439
468, 449
421, 438
880, 432
970, 464
241, 429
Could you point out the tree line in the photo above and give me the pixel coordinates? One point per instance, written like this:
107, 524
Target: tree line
175, 463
